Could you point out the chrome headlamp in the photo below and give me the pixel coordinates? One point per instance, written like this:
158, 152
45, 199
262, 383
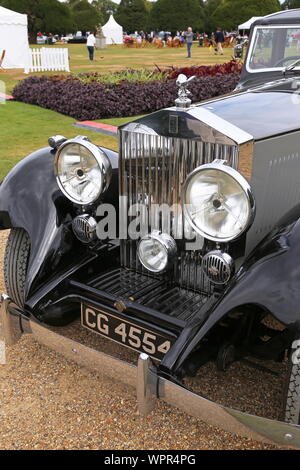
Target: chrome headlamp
82, 170
218, 202
157, 251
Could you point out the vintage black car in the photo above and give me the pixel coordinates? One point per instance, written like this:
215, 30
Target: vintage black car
185, 247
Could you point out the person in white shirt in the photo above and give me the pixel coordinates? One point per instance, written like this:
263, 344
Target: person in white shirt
91, 41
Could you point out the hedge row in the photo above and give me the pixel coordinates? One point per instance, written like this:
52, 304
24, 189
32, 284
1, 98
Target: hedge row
89, 101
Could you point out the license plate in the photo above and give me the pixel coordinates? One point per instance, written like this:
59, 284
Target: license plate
128, 333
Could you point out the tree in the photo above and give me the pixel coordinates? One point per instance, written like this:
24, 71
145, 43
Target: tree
210, 7
86, 17
290, 4
56, 17
132, 15
106, 8
148, 5
48, 16
230, 13
173, 15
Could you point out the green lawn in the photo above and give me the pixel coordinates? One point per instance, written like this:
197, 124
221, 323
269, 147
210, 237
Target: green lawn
25, 128
115, 58
118, 121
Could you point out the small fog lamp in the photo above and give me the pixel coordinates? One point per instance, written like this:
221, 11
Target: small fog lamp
157, 252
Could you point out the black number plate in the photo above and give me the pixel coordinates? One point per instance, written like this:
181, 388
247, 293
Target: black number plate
130, 334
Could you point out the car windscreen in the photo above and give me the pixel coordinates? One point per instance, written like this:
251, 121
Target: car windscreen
273, 47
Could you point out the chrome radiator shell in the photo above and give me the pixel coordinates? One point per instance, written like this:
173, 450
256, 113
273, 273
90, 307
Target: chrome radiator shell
153, 169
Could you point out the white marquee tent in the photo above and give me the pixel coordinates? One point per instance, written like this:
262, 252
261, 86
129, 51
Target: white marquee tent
113, 31
249, 23
13, 39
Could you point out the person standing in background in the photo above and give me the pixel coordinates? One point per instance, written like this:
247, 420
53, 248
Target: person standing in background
91, 41
189, 35
220, 39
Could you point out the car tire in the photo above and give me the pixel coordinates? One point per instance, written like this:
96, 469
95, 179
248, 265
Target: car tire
291, 394
16, 258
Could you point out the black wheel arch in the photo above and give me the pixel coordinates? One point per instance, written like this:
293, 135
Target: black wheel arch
269, 279
31, 199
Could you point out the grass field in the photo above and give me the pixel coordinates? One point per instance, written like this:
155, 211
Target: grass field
25, 128
118, 57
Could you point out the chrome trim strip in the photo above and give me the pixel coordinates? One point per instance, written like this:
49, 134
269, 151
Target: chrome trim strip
85, 356
149, 386
234, 421
279, 13
221, 125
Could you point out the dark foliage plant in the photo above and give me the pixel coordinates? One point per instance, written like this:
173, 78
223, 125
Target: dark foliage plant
89, 101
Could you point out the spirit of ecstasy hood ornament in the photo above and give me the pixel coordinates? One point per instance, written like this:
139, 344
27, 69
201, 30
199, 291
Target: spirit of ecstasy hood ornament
183, 100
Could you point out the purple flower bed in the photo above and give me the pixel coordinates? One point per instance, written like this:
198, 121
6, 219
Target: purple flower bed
89, 101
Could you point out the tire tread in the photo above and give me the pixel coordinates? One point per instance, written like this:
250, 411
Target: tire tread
291, 397
16, 258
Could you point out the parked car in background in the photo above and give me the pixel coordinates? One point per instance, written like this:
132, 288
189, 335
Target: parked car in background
42, 39
66, 38
185, 247
78, 38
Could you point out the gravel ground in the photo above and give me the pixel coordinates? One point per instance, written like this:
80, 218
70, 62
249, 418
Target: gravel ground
50, 403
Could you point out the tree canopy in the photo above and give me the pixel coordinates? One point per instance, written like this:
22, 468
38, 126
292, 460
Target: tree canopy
135, 15
290, 4
210, 7
85, 16
132, 15
52, 16
49, 16
106, 8
173, 15
230, 13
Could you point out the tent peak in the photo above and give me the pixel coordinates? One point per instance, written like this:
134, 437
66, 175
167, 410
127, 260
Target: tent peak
112, 21
12, 17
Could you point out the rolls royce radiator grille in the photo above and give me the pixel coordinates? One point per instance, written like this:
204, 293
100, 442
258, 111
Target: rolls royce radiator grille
153, 170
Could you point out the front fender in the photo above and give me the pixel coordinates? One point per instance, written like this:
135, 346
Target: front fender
30, 199
269, 278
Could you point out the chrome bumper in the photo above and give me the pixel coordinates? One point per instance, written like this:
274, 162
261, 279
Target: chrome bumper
148, 384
